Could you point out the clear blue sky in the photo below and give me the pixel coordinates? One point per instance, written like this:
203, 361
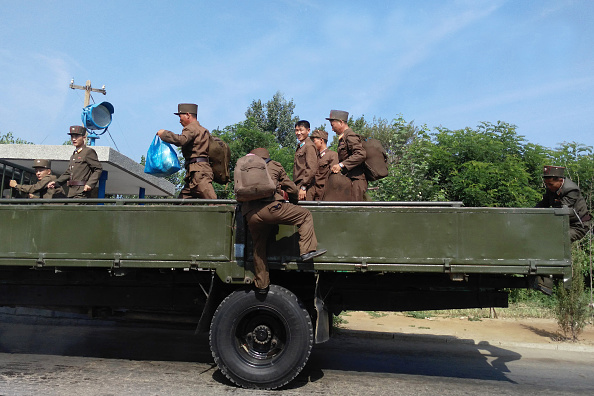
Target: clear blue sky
438, 62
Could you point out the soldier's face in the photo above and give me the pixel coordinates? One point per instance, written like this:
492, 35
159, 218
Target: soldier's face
318, 143
337, 126
185, 119
42, 172
301, 132
553, 183
77, 140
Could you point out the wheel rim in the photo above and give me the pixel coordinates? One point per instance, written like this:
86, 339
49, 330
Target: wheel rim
261, 336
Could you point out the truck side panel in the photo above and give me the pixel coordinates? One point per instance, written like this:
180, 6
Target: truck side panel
124, 236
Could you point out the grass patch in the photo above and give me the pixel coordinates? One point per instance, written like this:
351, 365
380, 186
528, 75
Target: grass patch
339, 320
376, 314
420, 314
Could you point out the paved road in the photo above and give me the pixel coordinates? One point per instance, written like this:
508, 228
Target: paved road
84, 360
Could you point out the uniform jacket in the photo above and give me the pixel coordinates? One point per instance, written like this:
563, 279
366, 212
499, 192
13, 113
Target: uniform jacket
194, 141
352, 154
326, 159
283, 183
569, 194
84, 167
305, 165
40, 189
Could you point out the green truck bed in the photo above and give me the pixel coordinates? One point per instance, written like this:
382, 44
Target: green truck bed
382, 238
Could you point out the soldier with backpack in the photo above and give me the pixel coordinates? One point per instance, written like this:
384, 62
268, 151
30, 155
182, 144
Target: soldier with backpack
259, 186
194, 141
351, 154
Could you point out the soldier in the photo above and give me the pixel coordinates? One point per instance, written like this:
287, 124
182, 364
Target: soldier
261, 216
351, 154
84, 169
306, 162
194, 141
326, 159
44, 175
561, 191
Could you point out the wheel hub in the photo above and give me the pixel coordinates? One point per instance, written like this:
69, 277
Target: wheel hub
262, 334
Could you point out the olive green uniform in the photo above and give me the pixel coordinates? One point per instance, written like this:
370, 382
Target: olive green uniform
352, 155
326, 159
305, 167
40, 190
194, 141
84, 168
261, 216
569, 195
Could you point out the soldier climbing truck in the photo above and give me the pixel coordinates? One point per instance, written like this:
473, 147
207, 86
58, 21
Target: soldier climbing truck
156, 259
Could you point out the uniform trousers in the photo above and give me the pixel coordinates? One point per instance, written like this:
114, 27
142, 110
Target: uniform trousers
262, 219
577, 231
198, 183
358, 189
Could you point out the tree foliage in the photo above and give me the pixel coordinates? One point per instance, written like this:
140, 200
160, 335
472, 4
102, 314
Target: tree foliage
275, 117
488, 166
8, 138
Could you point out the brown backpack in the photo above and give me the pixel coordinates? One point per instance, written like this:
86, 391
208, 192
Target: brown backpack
252, 180
337, 188
376, 163
219, 156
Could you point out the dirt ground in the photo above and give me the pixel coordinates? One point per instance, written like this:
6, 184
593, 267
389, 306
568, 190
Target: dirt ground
494, 331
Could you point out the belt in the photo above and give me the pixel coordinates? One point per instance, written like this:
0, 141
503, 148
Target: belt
76, 183
197, 159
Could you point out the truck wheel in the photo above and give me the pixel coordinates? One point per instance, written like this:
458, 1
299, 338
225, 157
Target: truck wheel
261, 342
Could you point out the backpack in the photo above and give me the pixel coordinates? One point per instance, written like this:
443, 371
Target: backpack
376, 163
375, 166
219, 155
252, 180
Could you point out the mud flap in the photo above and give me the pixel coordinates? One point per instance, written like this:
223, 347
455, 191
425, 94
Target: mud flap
323, 316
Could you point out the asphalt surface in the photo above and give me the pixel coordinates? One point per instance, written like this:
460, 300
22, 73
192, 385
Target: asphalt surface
56, 357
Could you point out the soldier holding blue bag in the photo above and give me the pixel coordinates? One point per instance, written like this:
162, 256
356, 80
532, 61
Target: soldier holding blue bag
194, 142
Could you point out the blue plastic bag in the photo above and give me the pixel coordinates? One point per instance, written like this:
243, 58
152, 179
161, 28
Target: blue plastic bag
161, 159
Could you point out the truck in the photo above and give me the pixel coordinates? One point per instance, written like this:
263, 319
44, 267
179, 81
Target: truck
191, 261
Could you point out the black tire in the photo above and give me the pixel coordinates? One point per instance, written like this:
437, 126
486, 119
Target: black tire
261, 342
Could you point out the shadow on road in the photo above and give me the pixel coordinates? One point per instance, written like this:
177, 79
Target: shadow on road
355, 351
433, 355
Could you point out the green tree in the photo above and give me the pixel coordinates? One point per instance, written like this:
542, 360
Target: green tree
489, 166
275, 117
407, 147
8, 138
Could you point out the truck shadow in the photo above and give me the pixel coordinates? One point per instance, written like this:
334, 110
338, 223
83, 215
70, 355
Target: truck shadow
349, 350
403, 354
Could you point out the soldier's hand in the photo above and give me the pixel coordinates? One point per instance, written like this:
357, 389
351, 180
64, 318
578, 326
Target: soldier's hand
87, 188
302, 195
13, 183
160, 132
51, 184
335, 168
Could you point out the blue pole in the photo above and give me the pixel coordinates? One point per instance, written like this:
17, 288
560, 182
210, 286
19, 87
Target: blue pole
141, 192
102, 180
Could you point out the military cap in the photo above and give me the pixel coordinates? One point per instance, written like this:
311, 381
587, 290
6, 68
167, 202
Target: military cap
318, 133
338, 115
77, 130
553, 171
184, 108
42, 163
261, 152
